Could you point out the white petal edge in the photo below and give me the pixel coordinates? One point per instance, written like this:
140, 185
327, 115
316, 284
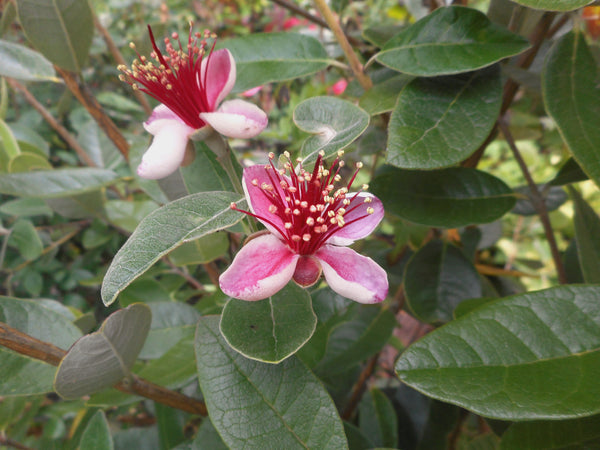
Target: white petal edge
237, 119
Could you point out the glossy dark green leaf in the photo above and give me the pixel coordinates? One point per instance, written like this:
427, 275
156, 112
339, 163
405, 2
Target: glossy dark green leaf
96, 435
519, 358
570, 172
382, 97
23, 63
334, 124
439, 122
554, 197
587, 234
272, 329
101, 359
447, 198
166, 228
436, 279
55, 183
450, 40
571, 434
61, 30
260, 405
268, 57
554, 5
571, 88
377, 419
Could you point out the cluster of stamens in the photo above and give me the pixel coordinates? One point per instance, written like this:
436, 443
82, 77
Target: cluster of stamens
308, 203
174, 78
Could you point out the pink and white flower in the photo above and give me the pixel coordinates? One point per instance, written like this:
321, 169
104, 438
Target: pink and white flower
310, 223
190, 85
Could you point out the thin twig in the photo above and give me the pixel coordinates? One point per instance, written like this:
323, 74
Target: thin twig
93, 107
62, 131
301, 12
359, 388
537, 201
334, 26
118, 57
27, 345
8, 442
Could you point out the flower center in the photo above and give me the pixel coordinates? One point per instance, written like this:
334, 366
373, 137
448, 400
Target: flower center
309, 205
175, 78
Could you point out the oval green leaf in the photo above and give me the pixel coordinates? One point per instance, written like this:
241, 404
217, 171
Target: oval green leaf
449, 198
61, 30
423, 128
268, 57
448, 41
96, 434
529, 356
253, 404
553, 196
587, 231
554, 5
571, 90
102, 359
272, 329
333, 122
382, 97
436, 279
23, 63
164, 229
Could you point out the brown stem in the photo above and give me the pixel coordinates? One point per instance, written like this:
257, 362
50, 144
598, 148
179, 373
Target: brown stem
93, 107
8, 442
537, 201
118, 57
24, 344
359, 388
334, 26
62, 131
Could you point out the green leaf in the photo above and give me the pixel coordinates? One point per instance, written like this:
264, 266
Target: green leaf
272, 329
423, 129
98, 146
382, 97
170, 423
449, 198
55, 183
25, 207
448, 41
26, 239
23, 63
9, 143
436, 279
207, 438
546, 435
205, 173
127, 214
27, 162
80, 206
377, 419
268, 57
587, 234
519, 358
570, 172
61, 30
334, 124
201, 251
571, 89
260, 405
553, 196
166, 228
96, 435
102, 359
554, 5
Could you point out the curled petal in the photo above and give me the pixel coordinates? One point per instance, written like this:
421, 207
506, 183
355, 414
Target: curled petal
218, 76
363, 226
237, 119
167, 150
161, 116
260, 269
352, 275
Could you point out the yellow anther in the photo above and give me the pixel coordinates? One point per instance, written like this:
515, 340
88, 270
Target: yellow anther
296, 212
370, 210
271, 155
368, 200
254, 182
306, 237
359, 165
232, 205
287, 225
340, 153
132, 45
272, 209
341, 211
296, 238
365, 187
310, 221
312, 209
304, 204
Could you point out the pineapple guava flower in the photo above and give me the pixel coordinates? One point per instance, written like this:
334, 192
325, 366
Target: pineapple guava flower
310, 223
190, 86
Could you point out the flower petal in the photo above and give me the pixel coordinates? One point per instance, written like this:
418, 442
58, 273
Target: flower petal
258, 199
167, 150
218, 76
260, 269
237, 119
363, 226
352, 275
160, 117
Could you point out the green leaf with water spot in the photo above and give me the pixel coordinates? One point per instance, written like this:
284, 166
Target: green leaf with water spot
571, 90
334, 124
259, 405
25, 64
439, 122
530, 356
448, 41
554, 5
272, 329
163, 230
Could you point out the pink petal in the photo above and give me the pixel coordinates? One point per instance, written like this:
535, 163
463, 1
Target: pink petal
352, 275
260, 269
362, 227
160, 117
218, 76
257, 199
167, 150
237, 119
